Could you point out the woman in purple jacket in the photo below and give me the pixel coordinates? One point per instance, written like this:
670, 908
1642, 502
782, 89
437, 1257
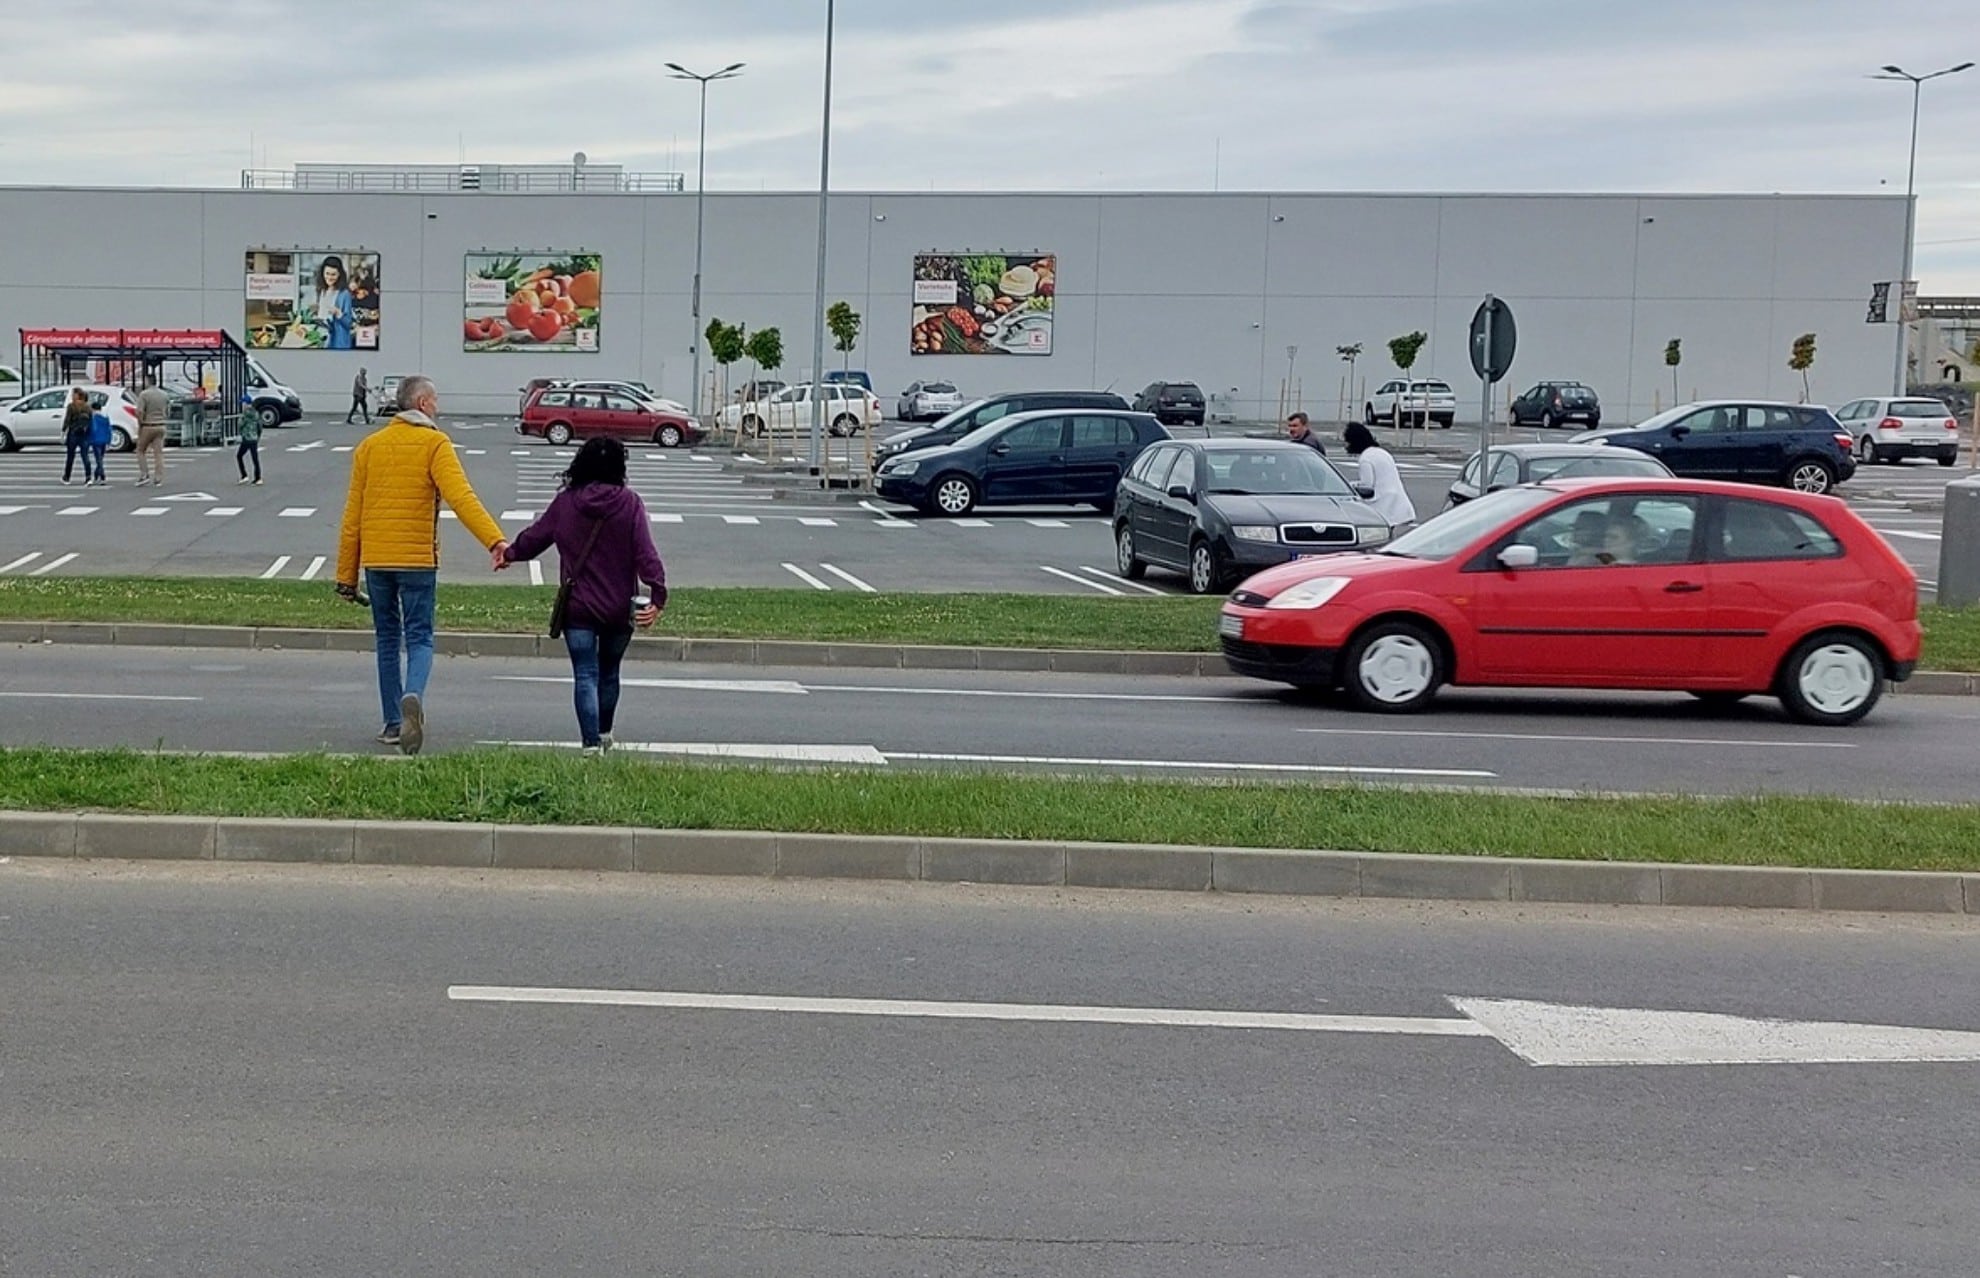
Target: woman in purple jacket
605, 593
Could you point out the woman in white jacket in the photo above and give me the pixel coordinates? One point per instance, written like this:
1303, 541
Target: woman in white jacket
1378, 471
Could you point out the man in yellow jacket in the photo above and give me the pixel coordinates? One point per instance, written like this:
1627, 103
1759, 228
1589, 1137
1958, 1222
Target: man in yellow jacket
391, 529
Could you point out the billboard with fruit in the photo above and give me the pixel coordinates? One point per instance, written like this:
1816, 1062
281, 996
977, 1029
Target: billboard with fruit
312, 299
983, 303
547, 302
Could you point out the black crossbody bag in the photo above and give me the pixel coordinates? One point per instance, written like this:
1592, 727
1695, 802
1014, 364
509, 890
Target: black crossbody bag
559, 609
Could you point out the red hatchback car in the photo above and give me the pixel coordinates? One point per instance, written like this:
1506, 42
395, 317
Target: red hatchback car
560, 414
1716, 589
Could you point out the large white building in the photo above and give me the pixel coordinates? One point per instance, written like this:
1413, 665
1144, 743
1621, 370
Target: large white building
1212, 288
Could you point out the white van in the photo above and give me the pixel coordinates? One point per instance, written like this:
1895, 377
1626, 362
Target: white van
12, 386
271, 401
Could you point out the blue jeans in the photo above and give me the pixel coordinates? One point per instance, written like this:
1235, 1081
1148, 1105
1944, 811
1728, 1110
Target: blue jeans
96, 452
595, 658
401, 616
78, 446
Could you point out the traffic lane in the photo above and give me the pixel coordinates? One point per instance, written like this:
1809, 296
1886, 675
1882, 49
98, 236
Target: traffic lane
265, 1040
1187, 728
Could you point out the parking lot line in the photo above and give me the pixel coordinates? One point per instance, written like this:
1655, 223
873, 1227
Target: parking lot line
222, 512
52, 565
315, 566
519, 516
663, 519
1903, 532
78, 510
150, 512
22, 562
1131, 585
805, 577
297, 512
818, 523
1046, 523
275, 569
1079, 580
847, 577
740, 519
971, 523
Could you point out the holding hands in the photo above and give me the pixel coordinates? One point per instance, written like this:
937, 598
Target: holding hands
498, 555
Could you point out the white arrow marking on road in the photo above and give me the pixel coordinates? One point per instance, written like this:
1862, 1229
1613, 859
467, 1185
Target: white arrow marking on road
1542, 1034
188, 497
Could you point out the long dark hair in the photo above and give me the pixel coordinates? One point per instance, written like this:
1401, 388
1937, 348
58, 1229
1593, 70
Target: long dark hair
599, 461
1359, 438
343, 273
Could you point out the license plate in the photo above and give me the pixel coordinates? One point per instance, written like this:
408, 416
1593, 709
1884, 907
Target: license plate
1230, 627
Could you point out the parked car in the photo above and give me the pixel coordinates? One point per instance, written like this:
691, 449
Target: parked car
1800, 446
760, 389
850, 377
1893, 429
1218, 509
1551, 404
560, 414
638, 390
1714, 589
388, 395
847, 409
37, 418
1173, 403
1055, 457
1516, 464
982, 412
1418, 402
928, 401
12, 384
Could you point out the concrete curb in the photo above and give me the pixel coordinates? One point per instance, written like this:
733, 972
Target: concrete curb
731, 652
1157, 867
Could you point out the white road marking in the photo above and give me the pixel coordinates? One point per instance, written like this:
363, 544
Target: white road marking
448, 514
536, 572
315, 566
303, 448
970, 523
1571, 739
518, 452
151, 512
1057, 1013
663, 519
805, 577
51, 565
782, 686
189, 497
92, 696
275, 569
72, 510
1079, 580
887, 518
223, 512
343, 448
1131, 585
1194, 765
472, 452
1047, 523
22, 562
849, 579
519, 516
740, 519
11, 510
818, 523
774, 753
1899, 532
297, 512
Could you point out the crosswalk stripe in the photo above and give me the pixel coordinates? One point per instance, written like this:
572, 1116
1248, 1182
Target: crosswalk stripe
78, 510
22, 562
740, 519
1046, 523
315, 566
818, 523
150, 512
275, 569
536, 572
522, 515
52, 565
297, 512
970, 523
663, 519
222, 512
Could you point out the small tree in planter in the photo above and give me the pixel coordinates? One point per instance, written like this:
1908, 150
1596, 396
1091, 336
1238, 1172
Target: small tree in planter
843, 320
1404, 350
1801, 357
765, 349
1673, 356
725, 347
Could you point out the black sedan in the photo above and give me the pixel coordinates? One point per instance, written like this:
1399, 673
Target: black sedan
1060, 456
1219, 509
1516, 464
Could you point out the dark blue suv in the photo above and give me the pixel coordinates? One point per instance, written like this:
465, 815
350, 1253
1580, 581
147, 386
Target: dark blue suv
1799, 446
1057, 457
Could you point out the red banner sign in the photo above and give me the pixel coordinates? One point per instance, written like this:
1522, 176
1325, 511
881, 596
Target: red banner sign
127, 338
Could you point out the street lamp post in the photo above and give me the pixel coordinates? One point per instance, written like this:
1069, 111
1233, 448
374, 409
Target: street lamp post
1917, 82
700, 191
818, 302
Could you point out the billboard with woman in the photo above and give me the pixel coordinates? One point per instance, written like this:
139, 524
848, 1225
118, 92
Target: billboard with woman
313, 299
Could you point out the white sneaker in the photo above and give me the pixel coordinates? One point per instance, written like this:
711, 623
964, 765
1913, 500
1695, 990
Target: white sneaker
605, 741
590, 752
243, 480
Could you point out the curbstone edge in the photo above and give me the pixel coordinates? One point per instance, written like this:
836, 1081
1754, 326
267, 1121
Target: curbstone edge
104, 837
251, 839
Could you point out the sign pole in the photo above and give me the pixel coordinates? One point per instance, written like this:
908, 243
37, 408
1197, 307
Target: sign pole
1485, 409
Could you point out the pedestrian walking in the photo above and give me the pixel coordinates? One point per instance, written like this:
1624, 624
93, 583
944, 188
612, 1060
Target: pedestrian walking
250, 446
1299, 429
612, 578
360, 398
76, 417
1378, 471
399, 476
154, 409
99, 444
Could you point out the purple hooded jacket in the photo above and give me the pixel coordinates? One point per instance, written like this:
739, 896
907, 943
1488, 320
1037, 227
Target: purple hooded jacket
622, 558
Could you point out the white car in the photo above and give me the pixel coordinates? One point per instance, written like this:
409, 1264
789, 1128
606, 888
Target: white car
37, 418
1893, 429
847, 409
1407, 401
927, 401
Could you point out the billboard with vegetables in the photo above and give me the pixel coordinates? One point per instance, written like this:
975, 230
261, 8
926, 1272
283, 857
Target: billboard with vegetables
532, 302
312, 299
983, 303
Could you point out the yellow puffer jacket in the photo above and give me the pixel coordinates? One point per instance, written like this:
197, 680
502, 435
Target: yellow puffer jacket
399, 476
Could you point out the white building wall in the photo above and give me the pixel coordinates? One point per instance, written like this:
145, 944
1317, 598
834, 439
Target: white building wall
1211, 288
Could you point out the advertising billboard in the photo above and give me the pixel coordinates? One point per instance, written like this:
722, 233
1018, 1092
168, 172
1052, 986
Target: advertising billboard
547, 302
312, 299
983, 303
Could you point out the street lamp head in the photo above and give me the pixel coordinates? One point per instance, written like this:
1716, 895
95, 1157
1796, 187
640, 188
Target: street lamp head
734, 67
1964, 66
1891, 69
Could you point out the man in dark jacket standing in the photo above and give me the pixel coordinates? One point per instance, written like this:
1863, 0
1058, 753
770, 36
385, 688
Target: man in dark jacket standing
360, 398
1300, 431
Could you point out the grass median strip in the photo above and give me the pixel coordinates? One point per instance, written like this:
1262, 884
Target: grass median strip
522, 787
1177, 624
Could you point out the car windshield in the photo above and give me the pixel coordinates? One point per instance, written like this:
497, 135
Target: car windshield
1276, 471
1454, 530
938, 388
1434, 388
1666, 417
1920, 408
952, 418
1623, 462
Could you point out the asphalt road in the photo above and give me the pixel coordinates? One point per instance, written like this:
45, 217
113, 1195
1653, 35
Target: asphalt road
713, 527
218, 700
258, 1070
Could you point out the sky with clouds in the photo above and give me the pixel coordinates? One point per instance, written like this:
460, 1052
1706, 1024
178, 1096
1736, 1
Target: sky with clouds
1307, 95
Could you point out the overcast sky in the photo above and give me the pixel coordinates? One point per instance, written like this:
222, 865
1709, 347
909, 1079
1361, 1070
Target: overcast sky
1309, 95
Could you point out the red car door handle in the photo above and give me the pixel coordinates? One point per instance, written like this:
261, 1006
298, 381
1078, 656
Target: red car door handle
1683, 588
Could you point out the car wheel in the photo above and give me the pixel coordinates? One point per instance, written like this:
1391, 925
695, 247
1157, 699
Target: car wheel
1394, 667
1547, 421
1718, 699
1948, 459
845, 425
669, 436
1512, 418
558, 434
752, 425
1811, 475
120, 440
1866, 451
1832, 678
954, 495
7, 444
270, 416
1368, 414
1205, 573
1124, 557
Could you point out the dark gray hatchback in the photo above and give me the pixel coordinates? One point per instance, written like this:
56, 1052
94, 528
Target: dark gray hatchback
1216, 510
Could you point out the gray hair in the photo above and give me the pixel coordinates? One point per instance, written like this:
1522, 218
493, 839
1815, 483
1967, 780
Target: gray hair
414, 389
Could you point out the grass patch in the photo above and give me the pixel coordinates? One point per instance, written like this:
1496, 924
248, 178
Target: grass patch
519, 787
985, 620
